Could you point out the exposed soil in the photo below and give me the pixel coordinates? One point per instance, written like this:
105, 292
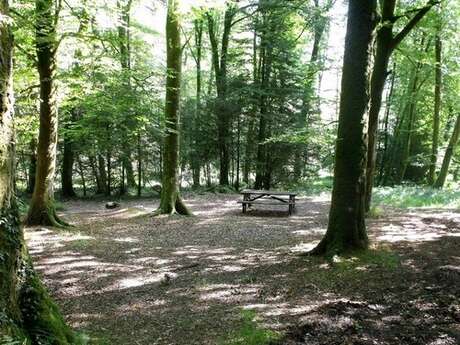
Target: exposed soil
127, 278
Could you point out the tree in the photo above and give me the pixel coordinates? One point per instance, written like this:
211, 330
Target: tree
346, 228
42, 210
27, 314
219, 63
171, 202
68, 158
387, 42
439, 183
437, 111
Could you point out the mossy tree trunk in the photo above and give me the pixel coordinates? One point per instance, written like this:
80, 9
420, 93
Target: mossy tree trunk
171, 202
27, 314
347, 229
42, 210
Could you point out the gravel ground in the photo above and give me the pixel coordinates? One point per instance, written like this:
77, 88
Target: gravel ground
127, 278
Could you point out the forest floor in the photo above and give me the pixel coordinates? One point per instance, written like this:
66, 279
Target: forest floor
127, 278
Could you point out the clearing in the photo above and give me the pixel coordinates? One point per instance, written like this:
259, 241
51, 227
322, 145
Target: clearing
127, 278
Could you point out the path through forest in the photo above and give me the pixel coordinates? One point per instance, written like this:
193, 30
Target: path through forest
129, 278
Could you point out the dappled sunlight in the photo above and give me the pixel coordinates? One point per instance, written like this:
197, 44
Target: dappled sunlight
418, 227
128, 272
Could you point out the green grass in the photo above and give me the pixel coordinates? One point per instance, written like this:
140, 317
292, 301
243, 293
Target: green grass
250, 332
411, 196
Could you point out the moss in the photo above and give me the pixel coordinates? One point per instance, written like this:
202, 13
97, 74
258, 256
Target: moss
42, 318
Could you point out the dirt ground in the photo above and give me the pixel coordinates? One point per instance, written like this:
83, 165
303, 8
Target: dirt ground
127, 278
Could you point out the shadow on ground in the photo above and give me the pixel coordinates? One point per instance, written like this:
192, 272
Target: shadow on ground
128, 278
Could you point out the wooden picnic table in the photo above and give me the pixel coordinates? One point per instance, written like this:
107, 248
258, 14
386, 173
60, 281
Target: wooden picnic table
267, 197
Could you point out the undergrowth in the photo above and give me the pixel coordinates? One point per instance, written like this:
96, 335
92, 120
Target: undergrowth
414, 196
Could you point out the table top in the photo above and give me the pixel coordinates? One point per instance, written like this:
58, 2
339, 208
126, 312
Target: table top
266, 192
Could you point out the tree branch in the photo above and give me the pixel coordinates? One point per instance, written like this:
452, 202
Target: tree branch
412, 23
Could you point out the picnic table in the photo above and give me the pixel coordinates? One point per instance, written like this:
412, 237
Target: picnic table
266, 197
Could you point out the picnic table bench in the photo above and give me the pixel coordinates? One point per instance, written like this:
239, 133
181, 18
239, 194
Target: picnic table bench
266, 197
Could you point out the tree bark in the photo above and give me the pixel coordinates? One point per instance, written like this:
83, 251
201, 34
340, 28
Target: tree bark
384, 154
220, 71
32, 165
171, 202
195, 164
42, 210
68, 159
439, 183
28, 315
347, 229
102, 174
436, 113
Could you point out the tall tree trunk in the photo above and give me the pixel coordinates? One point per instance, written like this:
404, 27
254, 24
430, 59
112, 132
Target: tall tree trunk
249, 147
448, 155
196, 166
384, 155
387, 42
82, 174
42, 210
32, 165
28, 315
68, 159
436, 113
347, 229
102, 173
124, 42
139, 165
171, 202
221, 106
265, 77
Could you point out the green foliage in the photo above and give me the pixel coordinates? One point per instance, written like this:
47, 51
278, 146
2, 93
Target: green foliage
250, 333
7, 340
415, 196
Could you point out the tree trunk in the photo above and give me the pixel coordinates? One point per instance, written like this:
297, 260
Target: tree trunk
437, 109
68, 159
347, 229
384, 154
386, 44
171, 202
42, 210
32, 165
266, 67
28, 315
139, 165
448, 155
102, 173
196, 166
82, 174
220, 71
249, 147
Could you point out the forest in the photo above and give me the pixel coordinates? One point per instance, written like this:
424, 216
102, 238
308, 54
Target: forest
229, 172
